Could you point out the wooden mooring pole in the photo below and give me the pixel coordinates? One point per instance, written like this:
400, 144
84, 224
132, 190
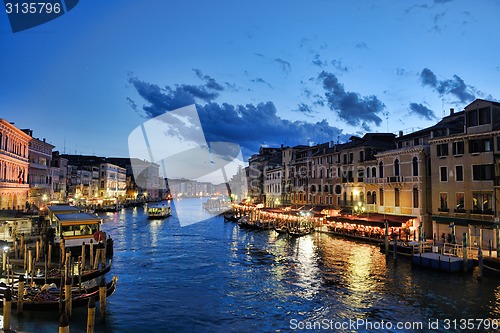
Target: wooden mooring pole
91, 316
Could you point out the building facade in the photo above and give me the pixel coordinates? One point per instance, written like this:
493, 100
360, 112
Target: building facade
14, 165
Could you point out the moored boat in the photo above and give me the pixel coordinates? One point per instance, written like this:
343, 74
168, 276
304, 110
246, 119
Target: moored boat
44, 299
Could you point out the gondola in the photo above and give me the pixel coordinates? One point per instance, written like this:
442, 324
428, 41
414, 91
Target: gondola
294, 232
37, 300
228, 217
54, 275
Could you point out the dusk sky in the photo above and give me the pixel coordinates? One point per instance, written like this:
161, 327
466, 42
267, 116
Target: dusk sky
260, 72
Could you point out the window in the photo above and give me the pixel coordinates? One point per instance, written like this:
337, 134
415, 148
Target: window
459, 173
442, 149
368, 172
482, 172
351, 157
480, 145
414, 163
374, 197
369, 198
361, 173
458, 148
345, 158
443, 202
460, 202
484, 116
381, 170
396, 197
416, 142
443, 172
481, 203
396, 167
361, 156
374, 172
472, 118
381, 196
415, 197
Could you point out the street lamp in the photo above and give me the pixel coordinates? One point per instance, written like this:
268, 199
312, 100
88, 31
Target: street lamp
359, 208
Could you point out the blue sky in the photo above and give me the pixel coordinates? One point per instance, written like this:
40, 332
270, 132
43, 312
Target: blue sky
260, 72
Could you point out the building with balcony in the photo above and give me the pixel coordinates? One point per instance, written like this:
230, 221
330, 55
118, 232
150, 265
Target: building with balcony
272, 186
39, 172
14, 165
257, 164
465, 169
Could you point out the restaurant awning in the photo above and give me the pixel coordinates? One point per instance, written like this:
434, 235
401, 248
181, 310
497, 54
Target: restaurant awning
373, 219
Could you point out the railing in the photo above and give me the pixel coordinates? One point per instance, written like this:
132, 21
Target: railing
394, 179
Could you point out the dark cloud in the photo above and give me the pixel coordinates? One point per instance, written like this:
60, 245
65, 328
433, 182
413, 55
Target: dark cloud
261, 80
350, 106
285, 65
248, 125
455, 86
422, 111
305, 109
210, 82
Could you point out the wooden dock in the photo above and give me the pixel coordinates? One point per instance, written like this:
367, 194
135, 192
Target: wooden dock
441, 262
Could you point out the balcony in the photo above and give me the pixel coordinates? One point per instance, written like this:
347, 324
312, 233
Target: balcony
482, 211
394, 179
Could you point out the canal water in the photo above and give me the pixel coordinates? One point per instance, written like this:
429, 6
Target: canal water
213, 276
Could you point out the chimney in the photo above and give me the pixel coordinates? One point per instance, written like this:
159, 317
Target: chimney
43, 139
400, 133
452, 111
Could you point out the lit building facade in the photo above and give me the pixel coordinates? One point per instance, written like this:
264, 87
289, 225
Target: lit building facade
14, 164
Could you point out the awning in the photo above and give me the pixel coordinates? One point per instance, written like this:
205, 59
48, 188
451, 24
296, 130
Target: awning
373, 219
462, 222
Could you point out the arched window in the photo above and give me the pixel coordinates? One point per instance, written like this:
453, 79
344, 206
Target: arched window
415, 166
326, 189
313, 188
396, 167
368, 172
374, 172
374, 197
381, 170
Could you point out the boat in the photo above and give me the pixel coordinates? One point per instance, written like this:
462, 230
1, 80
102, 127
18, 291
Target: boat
54, 275
158, 210
282, 230
299, 232
229, 217
48, 299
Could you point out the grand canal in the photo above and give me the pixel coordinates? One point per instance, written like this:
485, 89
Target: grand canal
214, 277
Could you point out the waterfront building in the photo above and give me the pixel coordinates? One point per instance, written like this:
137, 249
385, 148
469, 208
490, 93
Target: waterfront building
39, 177
112, 181
59, 176
300, 173
403, 185
14, 164
257, 164
465, 170
272, 186
148, 182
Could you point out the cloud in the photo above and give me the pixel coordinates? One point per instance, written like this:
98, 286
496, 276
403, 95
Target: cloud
305, 109
361, 45
337, 64
248, 125
318, 62
422, 111
455, 86
285, 65
210, 82
350, 106
261, 80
